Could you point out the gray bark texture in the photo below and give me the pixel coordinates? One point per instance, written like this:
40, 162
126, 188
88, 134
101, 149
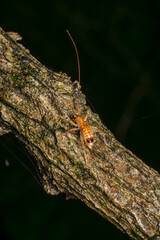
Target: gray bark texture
39, 106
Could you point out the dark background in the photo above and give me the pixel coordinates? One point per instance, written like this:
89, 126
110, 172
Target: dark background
118, 43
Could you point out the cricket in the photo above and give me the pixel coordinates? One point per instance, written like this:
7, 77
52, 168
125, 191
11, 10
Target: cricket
80, 124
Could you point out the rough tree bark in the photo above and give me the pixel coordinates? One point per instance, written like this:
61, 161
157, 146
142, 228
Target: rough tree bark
37, 105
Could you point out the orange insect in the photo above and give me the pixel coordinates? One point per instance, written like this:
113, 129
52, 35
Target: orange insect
86, 131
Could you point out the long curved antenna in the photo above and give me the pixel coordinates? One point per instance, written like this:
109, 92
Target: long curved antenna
78, 62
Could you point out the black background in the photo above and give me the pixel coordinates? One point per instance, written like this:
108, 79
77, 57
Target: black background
118, 43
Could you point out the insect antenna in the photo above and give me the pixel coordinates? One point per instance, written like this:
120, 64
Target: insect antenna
76, 50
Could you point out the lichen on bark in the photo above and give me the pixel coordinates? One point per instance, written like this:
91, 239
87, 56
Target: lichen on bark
37, 105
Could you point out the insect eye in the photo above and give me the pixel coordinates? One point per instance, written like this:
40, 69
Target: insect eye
90, 140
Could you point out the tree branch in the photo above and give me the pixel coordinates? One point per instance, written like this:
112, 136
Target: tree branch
37, 105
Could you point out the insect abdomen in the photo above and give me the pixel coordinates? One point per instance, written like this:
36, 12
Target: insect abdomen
86, 131
87, 135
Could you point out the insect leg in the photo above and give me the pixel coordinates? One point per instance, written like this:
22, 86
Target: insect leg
71, 122
83, 144
72, 129
95, 129
85, 118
